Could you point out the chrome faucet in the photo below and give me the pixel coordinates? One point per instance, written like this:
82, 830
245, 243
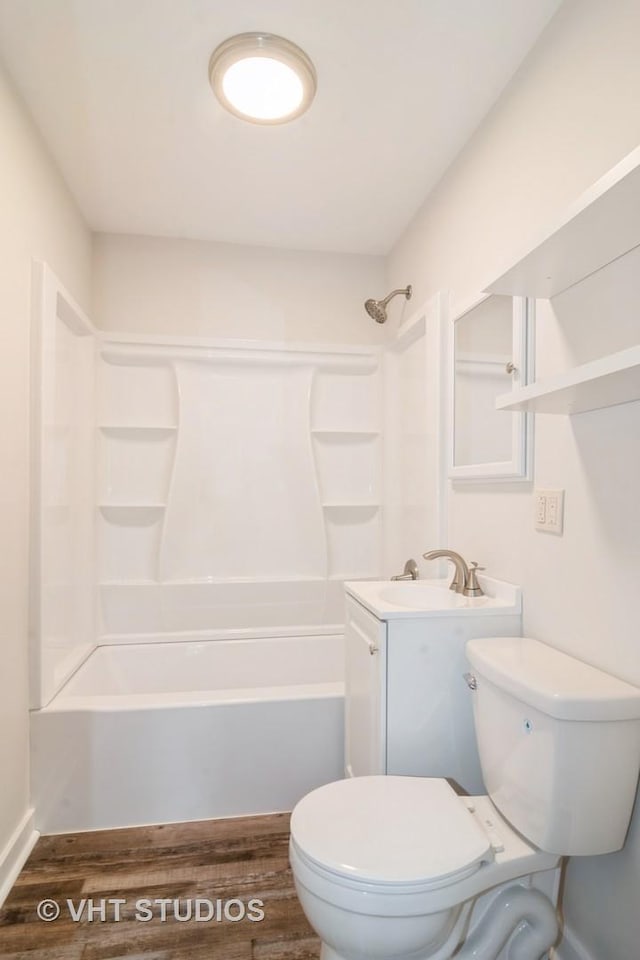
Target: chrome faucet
464, 580
410, 571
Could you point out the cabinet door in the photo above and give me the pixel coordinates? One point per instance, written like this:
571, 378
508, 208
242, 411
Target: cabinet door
365, 692
430, 730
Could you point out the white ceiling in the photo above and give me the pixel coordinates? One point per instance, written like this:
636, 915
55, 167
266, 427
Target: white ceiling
120, 92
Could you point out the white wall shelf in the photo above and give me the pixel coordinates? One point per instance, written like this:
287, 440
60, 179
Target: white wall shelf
351, 506
342, 435
602, 225
605, 382
129, 432
131, 514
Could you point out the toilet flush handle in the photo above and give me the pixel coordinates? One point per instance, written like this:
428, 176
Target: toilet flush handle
471, 681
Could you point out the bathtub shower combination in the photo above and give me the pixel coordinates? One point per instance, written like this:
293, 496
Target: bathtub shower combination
197, 508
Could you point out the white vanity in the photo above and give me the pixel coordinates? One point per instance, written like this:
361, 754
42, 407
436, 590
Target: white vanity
408, 709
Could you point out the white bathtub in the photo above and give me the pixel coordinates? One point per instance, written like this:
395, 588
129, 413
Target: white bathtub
161, 732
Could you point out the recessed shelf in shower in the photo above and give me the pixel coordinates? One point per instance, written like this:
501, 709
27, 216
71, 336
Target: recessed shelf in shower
345, 435
131, 514
142, 432
350, 506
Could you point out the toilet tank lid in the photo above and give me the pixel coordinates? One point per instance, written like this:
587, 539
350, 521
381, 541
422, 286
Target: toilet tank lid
551, 681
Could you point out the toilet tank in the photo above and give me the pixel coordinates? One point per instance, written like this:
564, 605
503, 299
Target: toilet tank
559, 744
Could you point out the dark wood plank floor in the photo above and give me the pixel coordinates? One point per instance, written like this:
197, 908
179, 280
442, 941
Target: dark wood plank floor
214, 860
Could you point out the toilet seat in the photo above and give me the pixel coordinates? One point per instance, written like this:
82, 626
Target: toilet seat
389, 833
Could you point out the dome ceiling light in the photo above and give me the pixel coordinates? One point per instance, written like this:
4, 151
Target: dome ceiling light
262, 78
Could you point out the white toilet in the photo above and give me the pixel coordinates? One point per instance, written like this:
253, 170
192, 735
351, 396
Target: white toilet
403, 868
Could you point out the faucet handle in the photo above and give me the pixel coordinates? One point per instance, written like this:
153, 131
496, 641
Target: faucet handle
472, 588
410, 571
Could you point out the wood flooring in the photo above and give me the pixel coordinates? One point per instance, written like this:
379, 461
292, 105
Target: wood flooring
212, 860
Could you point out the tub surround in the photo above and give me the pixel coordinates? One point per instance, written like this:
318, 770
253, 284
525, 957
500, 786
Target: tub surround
155, 455
62, 548
193, 512
186, 431
139, 612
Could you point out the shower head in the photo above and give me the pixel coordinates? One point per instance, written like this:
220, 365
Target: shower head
377, 309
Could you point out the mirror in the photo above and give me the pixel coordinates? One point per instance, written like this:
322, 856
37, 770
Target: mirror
490, 356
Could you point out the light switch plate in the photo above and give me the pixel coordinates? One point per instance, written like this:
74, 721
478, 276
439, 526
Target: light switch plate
549, 510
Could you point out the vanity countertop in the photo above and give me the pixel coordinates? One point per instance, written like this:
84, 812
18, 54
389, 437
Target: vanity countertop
412, 599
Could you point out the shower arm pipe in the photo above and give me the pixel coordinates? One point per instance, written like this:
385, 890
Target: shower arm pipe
405, 291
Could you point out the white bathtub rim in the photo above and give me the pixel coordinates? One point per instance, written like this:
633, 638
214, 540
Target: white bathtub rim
197, 698
244, 633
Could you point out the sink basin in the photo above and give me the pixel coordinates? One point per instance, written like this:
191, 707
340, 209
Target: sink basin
421, 596
408, 599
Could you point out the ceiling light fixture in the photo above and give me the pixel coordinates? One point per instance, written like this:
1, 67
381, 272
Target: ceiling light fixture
262, 78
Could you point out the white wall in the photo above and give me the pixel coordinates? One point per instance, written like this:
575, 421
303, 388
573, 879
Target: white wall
570, 114
38, 220
194, 288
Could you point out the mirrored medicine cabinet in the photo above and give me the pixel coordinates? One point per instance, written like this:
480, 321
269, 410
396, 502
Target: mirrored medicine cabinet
490, 353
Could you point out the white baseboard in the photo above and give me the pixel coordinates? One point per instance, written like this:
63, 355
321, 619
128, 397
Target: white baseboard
571, 948
15, 853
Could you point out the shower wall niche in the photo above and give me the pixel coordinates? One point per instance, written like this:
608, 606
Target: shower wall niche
225, 465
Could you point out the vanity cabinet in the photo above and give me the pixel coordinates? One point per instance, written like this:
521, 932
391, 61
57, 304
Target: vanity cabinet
407, 705
365, 691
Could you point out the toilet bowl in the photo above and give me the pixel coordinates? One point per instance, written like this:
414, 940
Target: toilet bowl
403, 868
388, 868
